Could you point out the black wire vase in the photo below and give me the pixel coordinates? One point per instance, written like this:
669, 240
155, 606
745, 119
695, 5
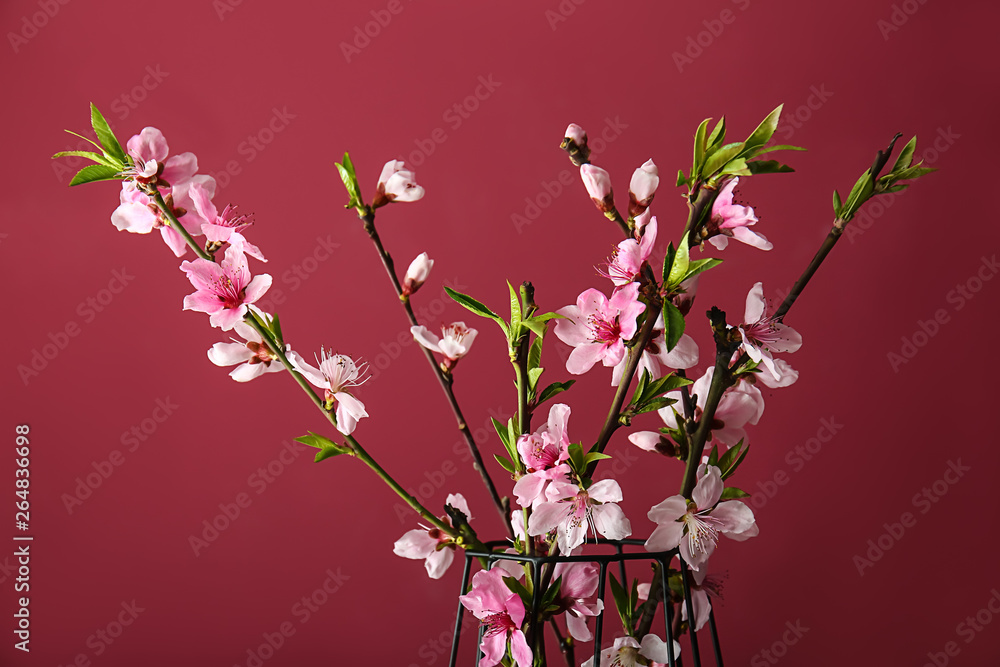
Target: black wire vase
603, 561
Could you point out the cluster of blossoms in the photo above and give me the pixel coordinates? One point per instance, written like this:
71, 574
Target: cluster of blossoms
161, 192
638, 331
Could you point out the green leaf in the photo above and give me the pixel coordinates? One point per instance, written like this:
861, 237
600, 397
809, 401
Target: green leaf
732, 459
681, 178
718, 134
505, 462
905, 155
713, 457
553, 389
673, 322
731, 492
837, 204
112, 148
96, 157
535, 353
515, 310
699, 149
534, 325
517, 587
594, 456
533, 375
622, 603
776, 147
327, 452
95, 172
276, 329
679, 267
768, 167
668, 260
721, 157
737, 167
476, 307
765, 130
350, 179
699, 265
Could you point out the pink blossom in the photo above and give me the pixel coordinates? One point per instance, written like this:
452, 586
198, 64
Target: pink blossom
501, 613
455, 342
655, 354
629, 256
224, 291
544, 453
396, 183
148, 150
628, 652
703, 587
695, 525
597, 327
740, 404
598, 184
336, 374
579, 584
219, 227
576, 134
763, 334
431, 545
417, 273
641, 189
254, 357
640, 222
731, 220
569, 510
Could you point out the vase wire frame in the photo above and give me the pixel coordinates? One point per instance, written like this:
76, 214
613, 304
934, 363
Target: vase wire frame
603, 561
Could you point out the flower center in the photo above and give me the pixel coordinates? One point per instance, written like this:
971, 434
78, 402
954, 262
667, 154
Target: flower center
702, 529
497, 622
228, 292
605, 331
764, 332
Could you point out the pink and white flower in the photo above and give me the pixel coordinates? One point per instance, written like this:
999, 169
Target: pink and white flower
642, 187
149, 150
655, 354
704, 586
731, 220
225, 291
598, 184
336, 374
570, 510
763, 334
695, 525
220, 227
417, 273
501, 613
740, 404
430, 544
455, 342
627, 261
137, 213
396, 184
628, 652
544, 453
579, 584
254, 356
597, 327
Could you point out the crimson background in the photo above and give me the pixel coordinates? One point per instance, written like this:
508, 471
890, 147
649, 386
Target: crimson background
225, 68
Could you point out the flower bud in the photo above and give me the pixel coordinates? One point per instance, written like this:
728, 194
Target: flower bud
396, 183
575, 144
642, 188
641, 221
684, 300
598, 184
419, 269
